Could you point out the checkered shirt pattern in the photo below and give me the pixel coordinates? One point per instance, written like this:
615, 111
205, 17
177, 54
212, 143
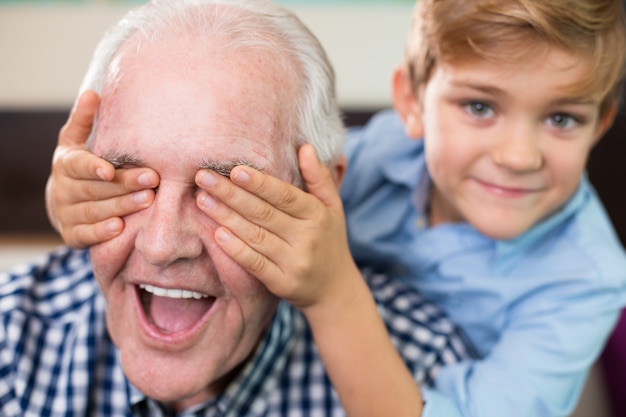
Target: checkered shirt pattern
56, 357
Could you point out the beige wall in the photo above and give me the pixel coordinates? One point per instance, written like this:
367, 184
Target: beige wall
45, 49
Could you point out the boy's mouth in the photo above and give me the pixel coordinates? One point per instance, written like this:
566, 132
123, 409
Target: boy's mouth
173, 310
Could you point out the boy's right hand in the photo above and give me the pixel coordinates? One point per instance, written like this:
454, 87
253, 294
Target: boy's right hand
291, 240
85, 195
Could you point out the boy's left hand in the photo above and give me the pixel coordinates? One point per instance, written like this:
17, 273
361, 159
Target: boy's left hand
85, 195
293, 241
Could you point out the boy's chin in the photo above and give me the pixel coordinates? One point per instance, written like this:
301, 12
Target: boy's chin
502, 228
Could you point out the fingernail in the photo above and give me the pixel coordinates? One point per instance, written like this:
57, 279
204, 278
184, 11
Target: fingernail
140, 197
113, 227
207, 201
241, 176
100, 174
144, 179
207, 179
223, 236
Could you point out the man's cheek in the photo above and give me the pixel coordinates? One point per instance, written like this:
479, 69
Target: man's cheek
108, 258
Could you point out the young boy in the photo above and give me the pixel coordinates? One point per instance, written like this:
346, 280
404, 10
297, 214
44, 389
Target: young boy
488, 211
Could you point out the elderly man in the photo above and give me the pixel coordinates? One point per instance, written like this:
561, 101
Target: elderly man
160, 321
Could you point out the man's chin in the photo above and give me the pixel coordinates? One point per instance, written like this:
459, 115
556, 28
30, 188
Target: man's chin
177, 385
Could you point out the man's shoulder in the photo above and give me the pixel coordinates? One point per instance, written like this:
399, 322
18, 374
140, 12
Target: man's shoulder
423, 334
53, 339
397, 300
53, 287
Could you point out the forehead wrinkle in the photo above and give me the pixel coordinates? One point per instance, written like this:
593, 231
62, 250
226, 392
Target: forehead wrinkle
223, 167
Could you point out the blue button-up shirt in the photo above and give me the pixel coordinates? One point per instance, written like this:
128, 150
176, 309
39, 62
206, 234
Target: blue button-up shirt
56, 357
537, 308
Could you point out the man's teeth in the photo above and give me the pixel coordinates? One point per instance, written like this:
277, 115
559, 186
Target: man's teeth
172, 293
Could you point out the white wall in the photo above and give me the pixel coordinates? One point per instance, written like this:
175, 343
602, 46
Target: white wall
45, 49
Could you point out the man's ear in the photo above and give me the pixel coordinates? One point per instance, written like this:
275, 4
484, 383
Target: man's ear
339, 170
606, 121
406, 103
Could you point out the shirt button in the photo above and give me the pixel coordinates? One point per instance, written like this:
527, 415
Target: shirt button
420, 223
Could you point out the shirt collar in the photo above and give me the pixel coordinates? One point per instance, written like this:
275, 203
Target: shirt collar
248, 394
408, 163
507, 249
409, 170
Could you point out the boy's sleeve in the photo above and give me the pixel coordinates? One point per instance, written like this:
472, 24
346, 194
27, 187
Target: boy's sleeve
537, 369
438, 405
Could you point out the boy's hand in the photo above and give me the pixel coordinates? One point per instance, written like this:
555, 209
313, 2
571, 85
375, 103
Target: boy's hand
293, 241
85, 195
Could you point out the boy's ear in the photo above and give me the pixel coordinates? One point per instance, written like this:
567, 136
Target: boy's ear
606, 121
406, 103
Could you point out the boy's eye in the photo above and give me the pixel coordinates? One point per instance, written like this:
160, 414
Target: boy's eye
479, 109
562, 120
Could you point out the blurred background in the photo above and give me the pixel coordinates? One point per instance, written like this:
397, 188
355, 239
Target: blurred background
46, 45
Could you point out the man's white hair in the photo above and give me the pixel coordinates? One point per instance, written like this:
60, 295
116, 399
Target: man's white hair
257, 24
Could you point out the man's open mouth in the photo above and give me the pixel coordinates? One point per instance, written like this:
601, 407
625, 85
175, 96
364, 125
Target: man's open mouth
173, 310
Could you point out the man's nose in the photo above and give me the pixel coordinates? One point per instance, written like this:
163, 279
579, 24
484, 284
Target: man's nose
518, 150
169, 231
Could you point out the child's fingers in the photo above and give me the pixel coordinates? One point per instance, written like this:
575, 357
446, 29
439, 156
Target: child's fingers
81, 164
286, 197
97, 211
317, 177
80, 123
143, 177
253, 262
134, 179
279, 195
87, 223
84, 235
125, 182
250, 205
258, 238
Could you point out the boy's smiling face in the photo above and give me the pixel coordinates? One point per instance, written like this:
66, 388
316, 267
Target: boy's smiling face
506, 144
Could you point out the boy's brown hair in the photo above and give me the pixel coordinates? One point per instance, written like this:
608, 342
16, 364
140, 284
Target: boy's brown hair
453, 31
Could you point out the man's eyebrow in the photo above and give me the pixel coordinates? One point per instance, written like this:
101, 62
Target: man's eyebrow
223, 167
122, 160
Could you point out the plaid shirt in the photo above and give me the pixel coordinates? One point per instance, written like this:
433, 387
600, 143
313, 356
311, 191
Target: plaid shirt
56, 357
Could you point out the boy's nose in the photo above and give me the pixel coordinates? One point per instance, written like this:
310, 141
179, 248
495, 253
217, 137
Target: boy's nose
518, 153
